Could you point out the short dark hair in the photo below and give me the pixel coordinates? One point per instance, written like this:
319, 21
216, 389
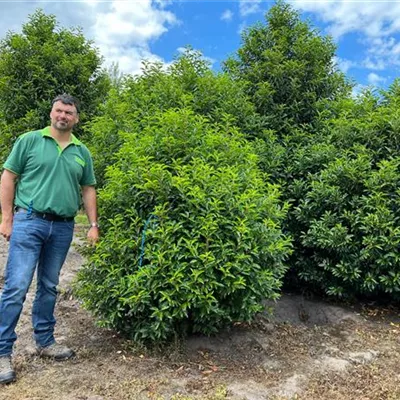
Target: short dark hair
67, 99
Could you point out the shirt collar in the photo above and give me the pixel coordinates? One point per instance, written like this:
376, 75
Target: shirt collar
74, 139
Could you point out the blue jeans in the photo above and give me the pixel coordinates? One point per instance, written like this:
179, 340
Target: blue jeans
35, 244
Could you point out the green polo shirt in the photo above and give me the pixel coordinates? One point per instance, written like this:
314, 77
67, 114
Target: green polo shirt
49, 178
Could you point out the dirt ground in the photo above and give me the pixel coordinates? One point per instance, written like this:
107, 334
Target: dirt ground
308, 350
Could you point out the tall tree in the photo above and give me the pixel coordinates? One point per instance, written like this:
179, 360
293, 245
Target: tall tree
289, 69
41, 62
187, 83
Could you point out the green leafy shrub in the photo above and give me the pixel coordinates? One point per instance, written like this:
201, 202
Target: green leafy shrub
289, 69
191, 231
345, 202
337, 158
187, 83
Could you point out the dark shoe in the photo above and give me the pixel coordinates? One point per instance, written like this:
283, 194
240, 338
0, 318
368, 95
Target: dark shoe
56, 351
7, 373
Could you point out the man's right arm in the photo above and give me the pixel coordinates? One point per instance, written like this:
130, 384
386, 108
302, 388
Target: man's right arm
7, 193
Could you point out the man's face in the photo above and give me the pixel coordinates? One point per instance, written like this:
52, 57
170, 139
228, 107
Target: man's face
63, 116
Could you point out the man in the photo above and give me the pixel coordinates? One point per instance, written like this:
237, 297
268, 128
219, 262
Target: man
43, 180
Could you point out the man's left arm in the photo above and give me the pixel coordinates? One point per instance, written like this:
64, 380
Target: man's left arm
90, 204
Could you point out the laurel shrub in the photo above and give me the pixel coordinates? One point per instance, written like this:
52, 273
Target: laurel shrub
345, 207
187, 83
191, 231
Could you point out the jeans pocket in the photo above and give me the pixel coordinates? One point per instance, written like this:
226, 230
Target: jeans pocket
20, 215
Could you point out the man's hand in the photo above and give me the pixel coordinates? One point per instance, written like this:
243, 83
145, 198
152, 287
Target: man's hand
93, 235
89, 201
6, 229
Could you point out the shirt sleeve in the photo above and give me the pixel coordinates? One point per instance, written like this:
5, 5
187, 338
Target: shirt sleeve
17, 158
88, 178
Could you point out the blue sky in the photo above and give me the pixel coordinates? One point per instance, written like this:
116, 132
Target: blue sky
367, 33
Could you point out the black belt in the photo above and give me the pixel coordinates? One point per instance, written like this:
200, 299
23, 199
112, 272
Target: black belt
47, 216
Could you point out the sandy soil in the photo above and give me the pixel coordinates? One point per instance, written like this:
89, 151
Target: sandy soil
308, 350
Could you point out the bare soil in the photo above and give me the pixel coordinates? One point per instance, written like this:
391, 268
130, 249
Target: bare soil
308, 350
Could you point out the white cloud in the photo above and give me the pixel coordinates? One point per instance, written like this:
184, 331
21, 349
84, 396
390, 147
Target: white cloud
163, 3
122, 30
381, 53
227, 15
131, 23
378, 65
375, 79
247, 7
375, 21
91, 2
344, 64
